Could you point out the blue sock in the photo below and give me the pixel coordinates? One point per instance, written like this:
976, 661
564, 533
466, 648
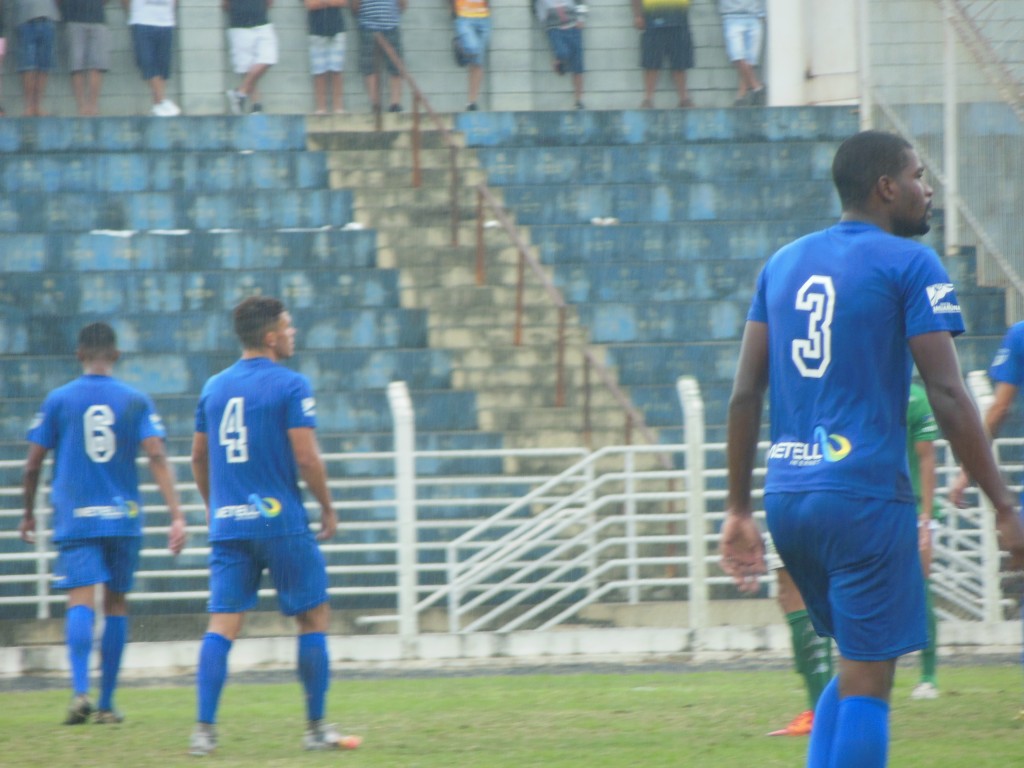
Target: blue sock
212, 674
819, 751
115, 635
78, 635
314, 672
862, 733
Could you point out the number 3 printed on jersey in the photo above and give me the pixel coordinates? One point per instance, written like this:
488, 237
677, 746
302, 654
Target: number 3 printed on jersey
233, 433
813, 353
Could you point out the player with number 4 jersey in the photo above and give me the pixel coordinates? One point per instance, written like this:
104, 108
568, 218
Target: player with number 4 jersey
254, 439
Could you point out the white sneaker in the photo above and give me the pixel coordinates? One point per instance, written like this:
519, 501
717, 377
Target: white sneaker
924, 692
203, 740
319, 736
166, 108
237, 101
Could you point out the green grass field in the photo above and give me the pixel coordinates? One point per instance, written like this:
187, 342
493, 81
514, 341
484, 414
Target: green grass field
715, 719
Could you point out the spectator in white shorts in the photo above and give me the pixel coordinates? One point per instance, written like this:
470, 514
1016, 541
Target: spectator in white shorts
88, 41
253, 44
152, 25
327, 52
743, 27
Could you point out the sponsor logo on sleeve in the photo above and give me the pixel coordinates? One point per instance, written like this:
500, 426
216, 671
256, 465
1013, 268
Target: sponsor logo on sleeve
309, 407
1001, 357
943, 299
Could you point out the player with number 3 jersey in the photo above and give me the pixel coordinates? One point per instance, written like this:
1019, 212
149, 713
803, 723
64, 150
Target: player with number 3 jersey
254, 439
838, 320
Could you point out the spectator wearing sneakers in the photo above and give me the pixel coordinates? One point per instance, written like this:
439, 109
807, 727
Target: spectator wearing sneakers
152, 26
472, 33
563, 20
326, 24
743, 27
88, 40
253, 44
383, 16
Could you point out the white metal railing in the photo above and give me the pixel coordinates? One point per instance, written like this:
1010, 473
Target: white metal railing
957, 93
503, 551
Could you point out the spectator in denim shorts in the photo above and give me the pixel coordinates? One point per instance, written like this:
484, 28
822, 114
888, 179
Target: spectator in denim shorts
383, 16
253, 44
473, 33
35, 22
563, 20
88, 41
327, 52
743, 26
152, 25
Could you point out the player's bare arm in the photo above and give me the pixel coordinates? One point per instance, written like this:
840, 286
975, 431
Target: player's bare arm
958, 419
741, 547
30, 485
163, 475
311, 468
201, 468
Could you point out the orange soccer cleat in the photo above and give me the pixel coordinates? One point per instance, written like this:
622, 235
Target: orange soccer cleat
799, 726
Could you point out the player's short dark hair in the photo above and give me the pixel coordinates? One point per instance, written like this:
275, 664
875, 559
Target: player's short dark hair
254, 317
97, 340
862, 160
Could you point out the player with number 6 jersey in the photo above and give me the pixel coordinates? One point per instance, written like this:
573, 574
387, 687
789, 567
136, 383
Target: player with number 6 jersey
95, 426
253, 440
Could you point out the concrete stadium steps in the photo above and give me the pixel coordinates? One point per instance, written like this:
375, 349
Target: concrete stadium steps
133, 211
172, 290
677, 241
657, 163
737, 201
643, 127
219, 171
211, 250
143, 134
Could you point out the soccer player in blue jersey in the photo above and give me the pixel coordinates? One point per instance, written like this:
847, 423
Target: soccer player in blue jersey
254, 438
95, 426
838, 319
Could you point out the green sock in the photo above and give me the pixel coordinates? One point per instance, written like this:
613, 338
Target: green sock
929, 656
812, 655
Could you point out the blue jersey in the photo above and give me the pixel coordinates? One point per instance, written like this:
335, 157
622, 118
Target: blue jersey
1008, 364
246, 412
95, 425
840, 305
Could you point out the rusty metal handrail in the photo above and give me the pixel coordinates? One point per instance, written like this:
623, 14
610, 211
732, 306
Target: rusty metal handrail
634, 418
418, 98
486, 199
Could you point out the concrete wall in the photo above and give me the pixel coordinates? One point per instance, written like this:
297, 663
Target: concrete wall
519, 75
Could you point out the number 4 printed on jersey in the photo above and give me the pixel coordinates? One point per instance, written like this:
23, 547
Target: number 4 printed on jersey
233, 434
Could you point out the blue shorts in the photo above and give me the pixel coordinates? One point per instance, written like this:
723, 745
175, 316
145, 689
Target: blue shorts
153, 50
474, 36
855, 562
567, 47
296, 567
35, 45
110, 560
